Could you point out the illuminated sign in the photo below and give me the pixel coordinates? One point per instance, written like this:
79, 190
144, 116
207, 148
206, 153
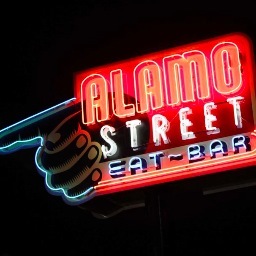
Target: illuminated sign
165, 116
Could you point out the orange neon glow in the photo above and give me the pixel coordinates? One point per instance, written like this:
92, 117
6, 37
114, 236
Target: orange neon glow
226, 68
148, 83
95, 88
183, 74
120, 109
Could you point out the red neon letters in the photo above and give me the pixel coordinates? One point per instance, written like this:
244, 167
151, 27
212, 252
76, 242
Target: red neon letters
181, 78
201, 109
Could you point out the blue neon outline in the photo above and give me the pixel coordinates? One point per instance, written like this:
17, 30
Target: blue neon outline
39, 141
57, 190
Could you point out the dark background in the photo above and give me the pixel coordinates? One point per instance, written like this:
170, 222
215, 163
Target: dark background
43, 45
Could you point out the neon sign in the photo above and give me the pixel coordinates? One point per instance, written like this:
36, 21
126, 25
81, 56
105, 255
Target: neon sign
169, 115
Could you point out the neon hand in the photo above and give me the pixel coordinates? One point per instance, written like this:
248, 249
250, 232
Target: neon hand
66, 155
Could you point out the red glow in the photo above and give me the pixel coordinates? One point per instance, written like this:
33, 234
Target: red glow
197, 95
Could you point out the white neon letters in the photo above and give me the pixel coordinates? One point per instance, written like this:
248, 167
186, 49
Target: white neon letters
160, 126
209, 118
133, 132
104, 134
237, 110
185, 123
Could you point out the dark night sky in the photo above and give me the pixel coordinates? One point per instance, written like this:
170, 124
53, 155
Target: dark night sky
43, 46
